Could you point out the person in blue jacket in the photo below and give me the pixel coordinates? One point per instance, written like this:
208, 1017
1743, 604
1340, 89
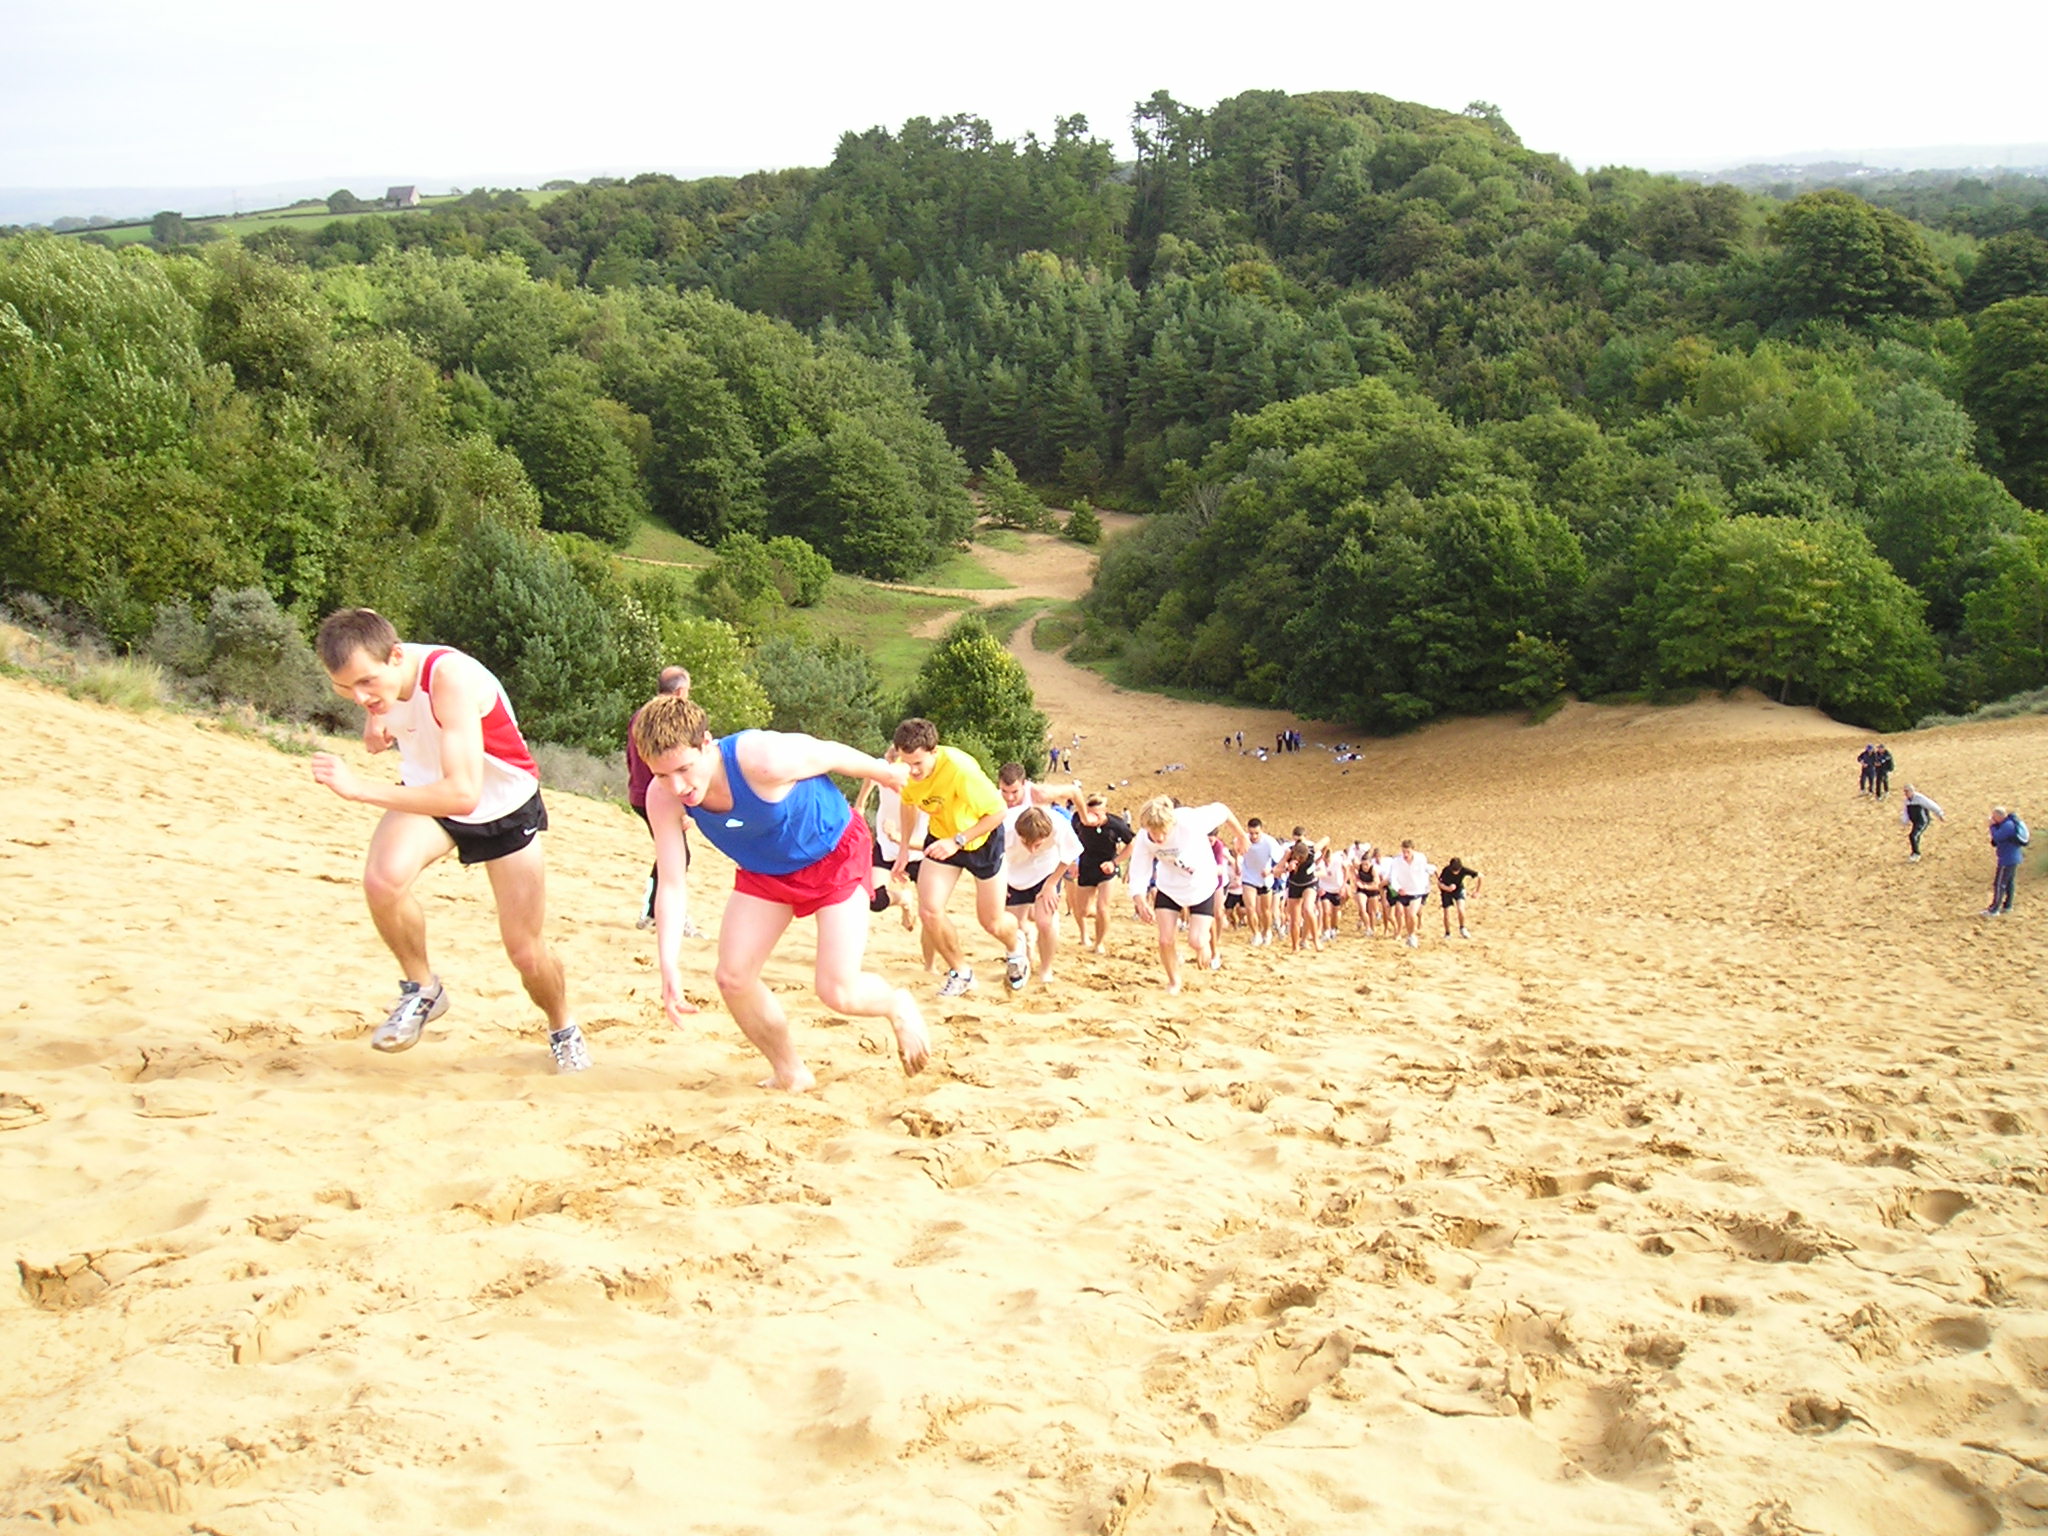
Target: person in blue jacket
2008, 844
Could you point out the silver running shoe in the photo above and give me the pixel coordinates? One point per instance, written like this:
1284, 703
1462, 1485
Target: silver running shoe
956, 983
1017, 970
416, 1007
570, 1053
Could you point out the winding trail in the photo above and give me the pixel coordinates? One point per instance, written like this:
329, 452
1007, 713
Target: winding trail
1126, 736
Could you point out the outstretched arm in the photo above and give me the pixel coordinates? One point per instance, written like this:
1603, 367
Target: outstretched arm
671, 894
777, 759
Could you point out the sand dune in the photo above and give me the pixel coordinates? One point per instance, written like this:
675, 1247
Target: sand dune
1702, 1191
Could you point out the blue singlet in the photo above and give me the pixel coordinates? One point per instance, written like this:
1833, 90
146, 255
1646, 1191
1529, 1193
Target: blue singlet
776, 838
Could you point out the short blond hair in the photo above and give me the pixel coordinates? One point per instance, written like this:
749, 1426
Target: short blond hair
668, 721
1156, 815
1034, 826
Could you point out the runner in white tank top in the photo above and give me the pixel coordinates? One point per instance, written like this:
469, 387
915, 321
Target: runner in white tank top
469, 787
511, 778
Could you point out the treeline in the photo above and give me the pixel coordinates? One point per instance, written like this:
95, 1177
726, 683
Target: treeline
183, 441
1602, 431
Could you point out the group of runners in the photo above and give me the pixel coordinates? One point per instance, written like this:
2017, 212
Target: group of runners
766, 799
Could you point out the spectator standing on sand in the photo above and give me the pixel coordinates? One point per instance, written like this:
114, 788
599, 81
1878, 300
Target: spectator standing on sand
1916, 813
675, 680
1866, 768
965, 835
2008, 847
764, 800
1410, 879
1881, 771
1172, 849
468, 787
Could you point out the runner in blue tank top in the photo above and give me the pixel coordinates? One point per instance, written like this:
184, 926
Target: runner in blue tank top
763, 799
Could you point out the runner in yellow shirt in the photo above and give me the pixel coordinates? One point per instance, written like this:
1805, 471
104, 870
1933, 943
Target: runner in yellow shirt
966, 833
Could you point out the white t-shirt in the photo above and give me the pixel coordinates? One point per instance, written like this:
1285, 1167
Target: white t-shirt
1022, 868
889, 820
1181, 861
1411, 876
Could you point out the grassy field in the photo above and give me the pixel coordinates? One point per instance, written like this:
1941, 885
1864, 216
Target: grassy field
309, 218
962, 570
654, 540
879, 620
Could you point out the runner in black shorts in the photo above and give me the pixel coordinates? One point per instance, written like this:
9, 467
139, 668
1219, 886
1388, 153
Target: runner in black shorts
483, 842
1104, 838
966, 833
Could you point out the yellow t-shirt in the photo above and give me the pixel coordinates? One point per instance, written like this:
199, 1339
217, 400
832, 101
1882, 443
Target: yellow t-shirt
955, 794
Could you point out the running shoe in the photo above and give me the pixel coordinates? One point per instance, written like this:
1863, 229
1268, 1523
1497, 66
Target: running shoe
956, 983
1464, 933
646, 920
1017, 970
568, 1049
409, 1016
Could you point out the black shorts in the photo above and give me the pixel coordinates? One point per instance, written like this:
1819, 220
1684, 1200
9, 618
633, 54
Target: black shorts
1232, 900
1206, 907
1024, 896
984, 863
641, 812
1299, 892
1400, 899
1451, 898
480, 842
1089, 877
883, 861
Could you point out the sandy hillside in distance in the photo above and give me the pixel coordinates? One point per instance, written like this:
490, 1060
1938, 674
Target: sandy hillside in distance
1701, 1191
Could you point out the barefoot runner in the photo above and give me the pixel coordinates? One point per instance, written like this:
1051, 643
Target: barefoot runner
762, 798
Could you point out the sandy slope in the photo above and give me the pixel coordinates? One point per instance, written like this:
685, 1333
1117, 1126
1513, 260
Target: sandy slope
1701, 1191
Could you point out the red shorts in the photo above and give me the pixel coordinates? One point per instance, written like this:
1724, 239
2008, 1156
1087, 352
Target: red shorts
825, 883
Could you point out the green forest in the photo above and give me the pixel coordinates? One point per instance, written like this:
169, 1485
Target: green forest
1426, 421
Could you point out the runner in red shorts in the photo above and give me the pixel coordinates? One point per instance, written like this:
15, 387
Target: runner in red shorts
762, 798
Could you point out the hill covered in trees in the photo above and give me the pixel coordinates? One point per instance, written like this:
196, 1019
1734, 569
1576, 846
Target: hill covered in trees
1431, 420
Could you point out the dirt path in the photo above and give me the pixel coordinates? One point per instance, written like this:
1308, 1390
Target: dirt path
1126, 737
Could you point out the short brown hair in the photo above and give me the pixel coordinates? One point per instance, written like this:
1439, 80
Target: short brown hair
917, 735
1034, 826
348, 630
668, 721
1011, 773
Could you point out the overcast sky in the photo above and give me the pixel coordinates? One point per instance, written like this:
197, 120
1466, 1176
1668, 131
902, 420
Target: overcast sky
148, 93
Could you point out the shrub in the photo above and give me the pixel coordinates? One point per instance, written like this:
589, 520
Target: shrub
970, 687
1083, 526
824, 688
256, 655
125, 682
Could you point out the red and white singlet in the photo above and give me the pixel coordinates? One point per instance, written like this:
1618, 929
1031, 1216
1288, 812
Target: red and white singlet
510, 773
